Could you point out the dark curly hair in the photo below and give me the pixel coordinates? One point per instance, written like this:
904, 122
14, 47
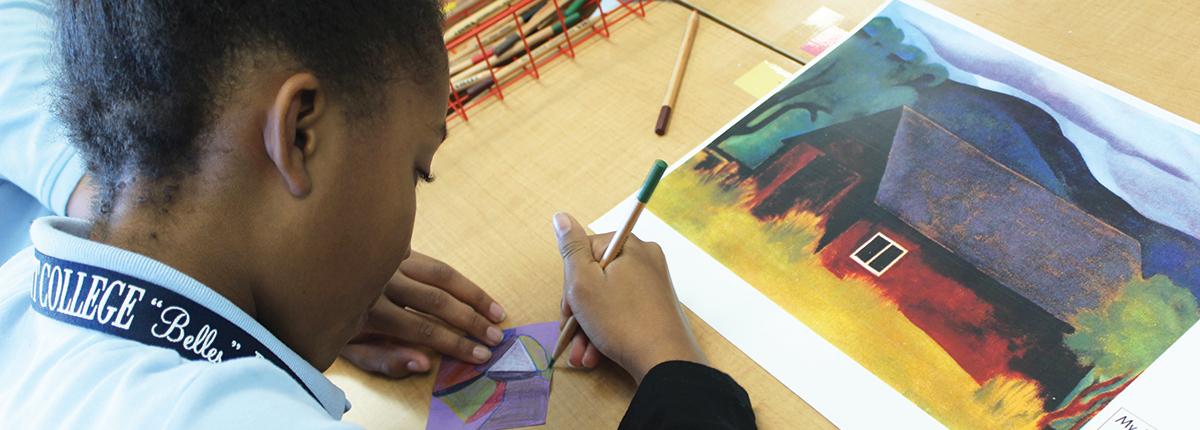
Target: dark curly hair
140, 81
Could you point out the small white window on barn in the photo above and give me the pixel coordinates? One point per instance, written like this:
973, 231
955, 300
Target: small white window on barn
878, 254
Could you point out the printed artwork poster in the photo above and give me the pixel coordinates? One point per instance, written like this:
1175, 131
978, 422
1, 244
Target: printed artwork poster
932, 225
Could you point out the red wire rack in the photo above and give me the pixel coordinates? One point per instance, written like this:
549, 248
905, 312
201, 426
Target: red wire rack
470, 90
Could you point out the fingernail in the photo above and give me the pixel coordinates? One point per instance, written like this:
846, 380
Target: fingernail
495, 335
497, 312
481, 353
414, 366
561, 223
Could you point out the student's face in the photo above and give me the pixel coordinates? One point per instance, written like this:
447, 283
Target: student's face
357, 222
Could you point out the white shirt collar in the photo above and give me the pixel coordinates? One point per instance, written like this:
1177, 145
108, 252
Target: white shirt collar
66, 238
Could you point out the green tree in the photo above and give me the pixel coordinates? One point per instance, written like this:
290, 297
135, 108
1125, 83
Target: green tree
872, 71
1126, 335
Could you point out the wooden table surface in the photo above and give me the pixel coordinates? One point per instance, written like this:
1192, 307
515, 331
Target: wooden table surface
579, 140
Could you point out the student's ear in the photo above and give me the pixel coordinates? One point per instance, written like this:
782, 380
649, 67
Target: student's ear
289, 134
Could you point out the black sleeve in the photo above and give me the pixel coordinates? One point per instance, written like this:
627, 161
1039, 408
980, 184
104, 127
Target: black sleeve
685, 395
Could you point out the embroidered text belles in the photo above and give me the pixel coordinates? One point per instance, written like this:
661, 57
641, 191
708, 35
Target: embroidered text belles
174, 329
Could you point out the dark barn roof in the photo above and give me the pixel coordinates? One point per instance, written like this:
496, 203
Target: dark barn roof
1027, 238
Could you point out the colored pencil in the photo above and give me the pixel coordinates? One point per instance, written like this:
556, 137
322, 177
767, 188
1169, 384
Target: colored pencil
529, 27
614, 248
545, 16
510, 70
476, 85
477, 72
470, 22
685, 51
468, 61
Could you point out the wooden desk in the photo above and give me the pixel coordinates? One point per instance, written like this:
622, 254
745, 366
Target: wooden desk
579, 140
1145, 48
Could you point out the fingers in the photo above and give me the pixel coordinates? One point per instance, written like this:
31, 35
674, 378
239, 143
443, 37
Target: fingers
582, 353
578, 347
580, 255
431, 271
591, 357
438, 303
386, 359
599, 243
573, 242
636, 248
416, 329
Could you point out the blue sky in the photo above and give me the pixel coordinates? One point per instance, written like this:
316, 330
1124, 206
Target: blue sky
1146, 156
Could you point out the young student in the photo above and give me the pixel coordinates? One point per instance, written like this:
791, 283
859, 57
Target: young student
41, 174
254, 165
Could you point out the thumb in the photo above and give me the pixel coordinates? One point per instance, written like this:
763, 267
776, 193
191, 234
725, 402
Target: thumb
573, 243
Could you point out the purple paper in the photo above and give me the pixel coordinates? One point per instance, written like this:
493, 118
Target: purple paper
510, 390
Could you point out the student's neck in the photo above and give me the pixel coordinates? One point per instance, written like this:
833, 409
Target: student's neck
202, 244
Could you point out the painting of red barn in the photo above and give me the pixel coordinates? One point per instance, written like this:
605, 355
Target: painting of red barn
967, 222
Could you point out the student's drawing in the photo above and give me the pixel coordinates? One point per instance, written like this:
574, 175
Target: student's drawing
510, 390
988, 233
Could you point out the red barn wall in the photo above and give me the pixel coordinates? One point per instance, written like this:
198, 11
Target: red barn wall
946, 309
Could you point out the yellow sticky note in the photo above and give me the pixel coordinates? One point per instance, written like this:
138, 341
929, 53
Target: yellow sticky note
761, 79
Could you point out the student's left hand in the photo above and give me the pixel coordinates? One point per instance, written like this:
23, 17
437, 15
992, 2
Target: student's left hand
426, 305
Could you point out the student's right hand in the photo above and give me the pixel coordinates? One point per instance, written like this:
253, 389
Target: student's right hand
628, 311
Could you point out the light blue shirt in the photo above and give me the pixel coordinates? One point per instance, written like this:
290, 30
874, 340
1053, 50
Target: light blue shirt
57, 375
38, 169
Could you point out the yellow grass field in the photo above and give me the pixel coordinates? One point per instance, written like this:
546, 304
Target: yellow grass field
777, 259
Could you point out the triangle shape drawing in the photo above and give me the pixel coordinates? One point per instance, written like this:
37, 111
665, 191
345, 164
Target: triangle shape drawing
516, 359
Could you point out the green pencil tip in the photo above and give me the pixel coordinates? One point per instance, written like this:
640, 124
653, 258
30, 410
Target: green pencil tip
571, 20
574, 7
656, 173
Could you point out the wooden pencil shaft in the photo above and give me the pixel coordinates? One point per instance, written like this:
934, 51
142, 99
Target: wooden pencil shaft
685, 51
500, 33
466, 66
618, 240
539, 37
476, 85
477, 72
497, 32
512, 34
564, 337
548, 10
540, 51
470, 22
535, 40
524, 15
486, 39
463, 63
